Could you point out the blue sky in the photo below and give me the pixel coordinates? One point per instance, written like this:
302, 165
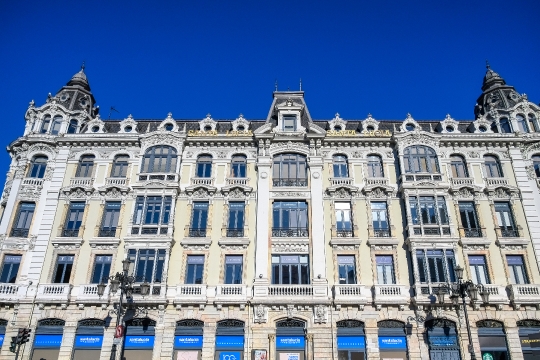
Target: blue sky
191, 58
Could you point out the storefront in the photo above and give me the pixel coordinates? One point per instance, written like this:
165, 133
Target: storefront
392, 340
88, 339
492, 339
188, 340
3, 325
442, 340
47, 339
351, 340
139, 340
290, 339
529, 336
230, 340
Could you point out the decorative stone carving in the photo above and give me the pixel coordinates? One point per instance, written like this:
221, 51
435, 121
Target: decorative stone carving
128, 125
288, 146
95, 126
168, 120
370, 123
337, 122
161, 138
409, 121
319, 314
290, 247
240, 122
261, 314
207, 124
531, 173
449, 125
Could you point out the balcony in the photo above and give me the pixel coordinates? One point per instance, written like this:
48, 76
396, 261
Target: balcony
235, 232
292, 182
231, 294
202, 181
116, 181
497, 294
20, 233
351, 294
237, 181
196, 232
381, 233
289, 232
420, 177
344, 233
70, 232
429, 230
525, 294
508, 233
461, 181
82, 181
495, 182
12, 292
157, 293
32, 182
150, 230
107, 232
391, 294
374, 182
470, 232
339, 181
190, 294
169, 177
59, 293
290, 290
427, 293
88, 293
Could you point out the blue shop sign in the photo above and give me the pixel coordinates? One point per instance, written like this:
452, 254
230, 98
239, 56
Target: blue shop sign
188, 342
229, 342
230, 355
392, 342
89, 341
443, 340
47, 341
290, 342
1, 339
351, 342
139, 342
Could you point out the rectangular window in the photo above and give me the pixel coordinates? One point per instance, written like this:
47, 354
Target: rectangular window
289, 122
469, 219
10, 268
147, 264
516, 267
290, 269
430, 211
235, 227
23, 219
194, 270
385, 269
343, 219
346, 269
505, 219
64, 265
74, 219
233, 269
109, 222
290, 219
102, 268
477, 265
199, 219
435, 265
153, 213
379, 216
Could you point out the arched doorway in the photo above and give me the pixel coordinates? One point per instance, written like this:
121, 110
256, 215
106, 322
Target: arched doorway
442, 340
290, 339
351, 340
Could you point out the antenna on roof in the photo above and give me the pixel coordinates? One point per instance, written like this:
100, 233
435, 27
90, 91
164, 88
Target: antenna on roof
487, 64
111, 110
300, 84
275, 86
82, 66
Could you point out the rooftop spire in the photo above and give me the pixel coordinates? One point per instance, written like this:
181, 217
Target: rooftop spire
82, 66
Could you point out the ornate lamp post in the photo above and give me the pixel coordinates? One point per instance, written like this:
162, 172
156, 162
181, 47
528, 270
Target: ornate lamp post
462, 289
124, 282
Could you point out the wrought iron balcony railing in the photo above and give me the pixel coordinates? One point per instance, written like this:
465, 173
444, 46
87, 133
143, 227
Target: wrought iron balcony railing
70, 232
290, 232
508, 232
289, 182
381, 232
472, 232
341, 233
107, 232
197, 232
235, 232
19, 232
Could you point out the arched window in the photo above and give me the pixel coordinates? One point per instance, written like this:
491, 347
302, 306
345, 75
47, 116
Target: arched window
289, 170
37, 167
238, 166
459, 167
533, 125
419, 159
45, 123
505, 125
204, 166
522, 123
375, 167
492, 167
86, 166
73, 125
161, 158
56, 124
536, 165
341, 168
120, 166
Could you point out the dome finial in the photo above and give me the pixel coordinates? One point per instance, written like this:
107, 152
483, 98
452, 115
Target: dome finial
82, 66
487, 64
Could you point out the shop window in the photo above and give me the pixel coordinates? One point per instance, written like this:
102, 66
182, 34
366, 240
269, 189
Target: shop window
88, 339
188, 339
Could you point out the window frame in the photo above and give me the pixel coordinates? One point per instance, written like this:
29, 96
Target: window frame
302, 270
239, 166
423, 266
85, 168
375, 166
158, 264
77, 208
111, 211
152, 214
458, 165
194, 268
120, 162
45, 124
203, 166
9, 266
536, 164
38, 166
506, 224
478, 268
522, 123
73, 126
513, 267
343, 211
340, 166
469, 219
152, 157
236, 217
28, 216
101, 261
382, 267
233, 270
492, 167
56, 125
288, 119
283, 222
345, 265
198, 223
287, 163
422, 211
69, 260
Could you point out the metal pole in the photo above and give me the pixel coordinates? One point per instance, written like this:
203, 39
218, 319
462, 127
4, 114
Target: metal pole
17, 353
471, 348
118, 316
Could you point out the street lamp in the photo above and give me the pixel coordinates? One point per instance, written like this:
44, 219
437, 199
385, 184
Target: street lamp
462, 289
124, 282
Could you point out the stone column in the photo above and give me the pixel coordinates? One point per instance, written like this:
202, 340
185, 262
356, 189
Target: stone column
372, 343
68, 341
317, 219
209, 342
108, 337
309, 346
413, 343
513, 342
271, 346
262, 234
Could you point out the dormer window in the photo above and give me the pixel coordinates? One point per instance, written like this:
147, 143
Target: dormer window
45, 124
72, 128
409, 127
56, 124
169, 127
289, 122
